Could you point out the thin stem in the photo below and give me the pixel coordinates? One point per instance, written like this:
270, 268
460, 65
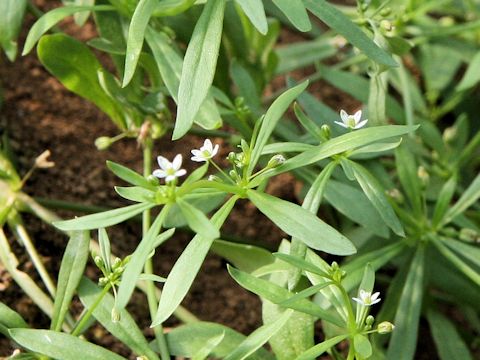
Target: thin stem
37, 262
84, 319
221, 171
148, 269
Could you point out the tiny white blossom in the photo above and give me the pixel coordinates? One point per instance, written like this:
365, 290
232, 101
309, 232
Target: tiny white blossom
169, 170
367, 299
206, 152
351, 121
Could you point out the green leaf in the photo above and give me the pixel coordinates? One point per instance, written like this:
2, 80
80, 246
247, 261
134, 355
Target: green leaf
337, 145
10, 319
71, 270
187, 340
362, 346
211, 344
187, 266
136, 35
354, 204
247, 258
259, 337
468, 198
372, 188
172, 7
273, 115
404, 338
470, 252
459, 263
344, 26
309, 125
140, 255
126, 329
321, 348
407, 173
75, 66
312, 290
12, 12
449, 343
199, 65
135, 193
301, 223
301, 54
277, 295
103, 219
51, 18
82, 17
302, 264
295, 11
444, 200
129, 175
256, 13
60, 345
471, 76
197, 221
169, 64
105, 250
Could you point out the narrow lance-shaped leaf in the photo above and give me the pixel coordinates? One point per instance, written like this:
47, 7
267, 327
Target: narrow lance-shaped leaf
60, 345
211, 344
302, 224
407, 173
273, 115
129, 175
51, 18
321, 348
344, 26
71, 271
187, 266
259, 337
12, 12
199, 65
256, 13
103, 219
295, 11
449, 343
126, 330
10, 319
197, 220
468, 198
404, 338
140, 255
136, 34
375, 194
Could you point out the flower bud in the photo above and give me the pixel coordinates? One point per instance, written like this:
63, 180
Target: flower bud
469, 235
276, 161
116, 263
42, 162
385, 327
387, 25
115, 315
231, 157
446, 21
369, 320
396, 195
326, 132
102, 281
449, 134
213, 178
423, 175
103, 142
99, 262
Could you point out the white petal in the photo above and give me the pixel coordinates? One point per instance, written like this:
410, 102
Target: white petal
198, 159
341, 124
180, 172
159, 173
343, 115
215, 150
375, 296
207, 145
170, 178
360, 301
361, 124
357, 116
177, 162
196, 152
376, 301
163, 163
364, 294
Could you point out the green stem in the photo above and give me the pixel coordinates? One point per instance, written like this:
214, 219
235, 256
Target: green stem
148, 269
84, 319
37, 262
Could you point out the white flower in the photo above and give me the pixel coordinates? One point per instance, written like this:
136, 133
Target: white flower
351, 121
169, 170
206, 152
367, 299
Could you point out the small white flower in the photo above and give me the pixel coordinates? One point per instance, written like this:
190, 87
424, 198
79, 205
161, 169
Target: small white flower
169, 170
206, 152
351, 121
367, 299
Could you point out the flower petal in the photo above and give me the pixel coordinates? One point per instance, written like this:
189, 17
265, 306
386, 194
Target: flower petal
343, 115
341, 124
357, 116
198, 159
207, 145
170, 178
177, 162
180, 172
375, 296
159, 173
215, 150
163, 163
360, 301
196, 152
361, 124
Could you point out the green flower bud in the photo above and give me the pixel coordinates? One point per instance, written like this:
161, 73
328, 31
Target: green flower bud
469, 235
385, 327
326, 132
396, 195
449, 134
231, 157
116, 263
115, 315
276, 161
103, 142
99, 262
102, 281
423, 175
369, 320
386, 11
387, 25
